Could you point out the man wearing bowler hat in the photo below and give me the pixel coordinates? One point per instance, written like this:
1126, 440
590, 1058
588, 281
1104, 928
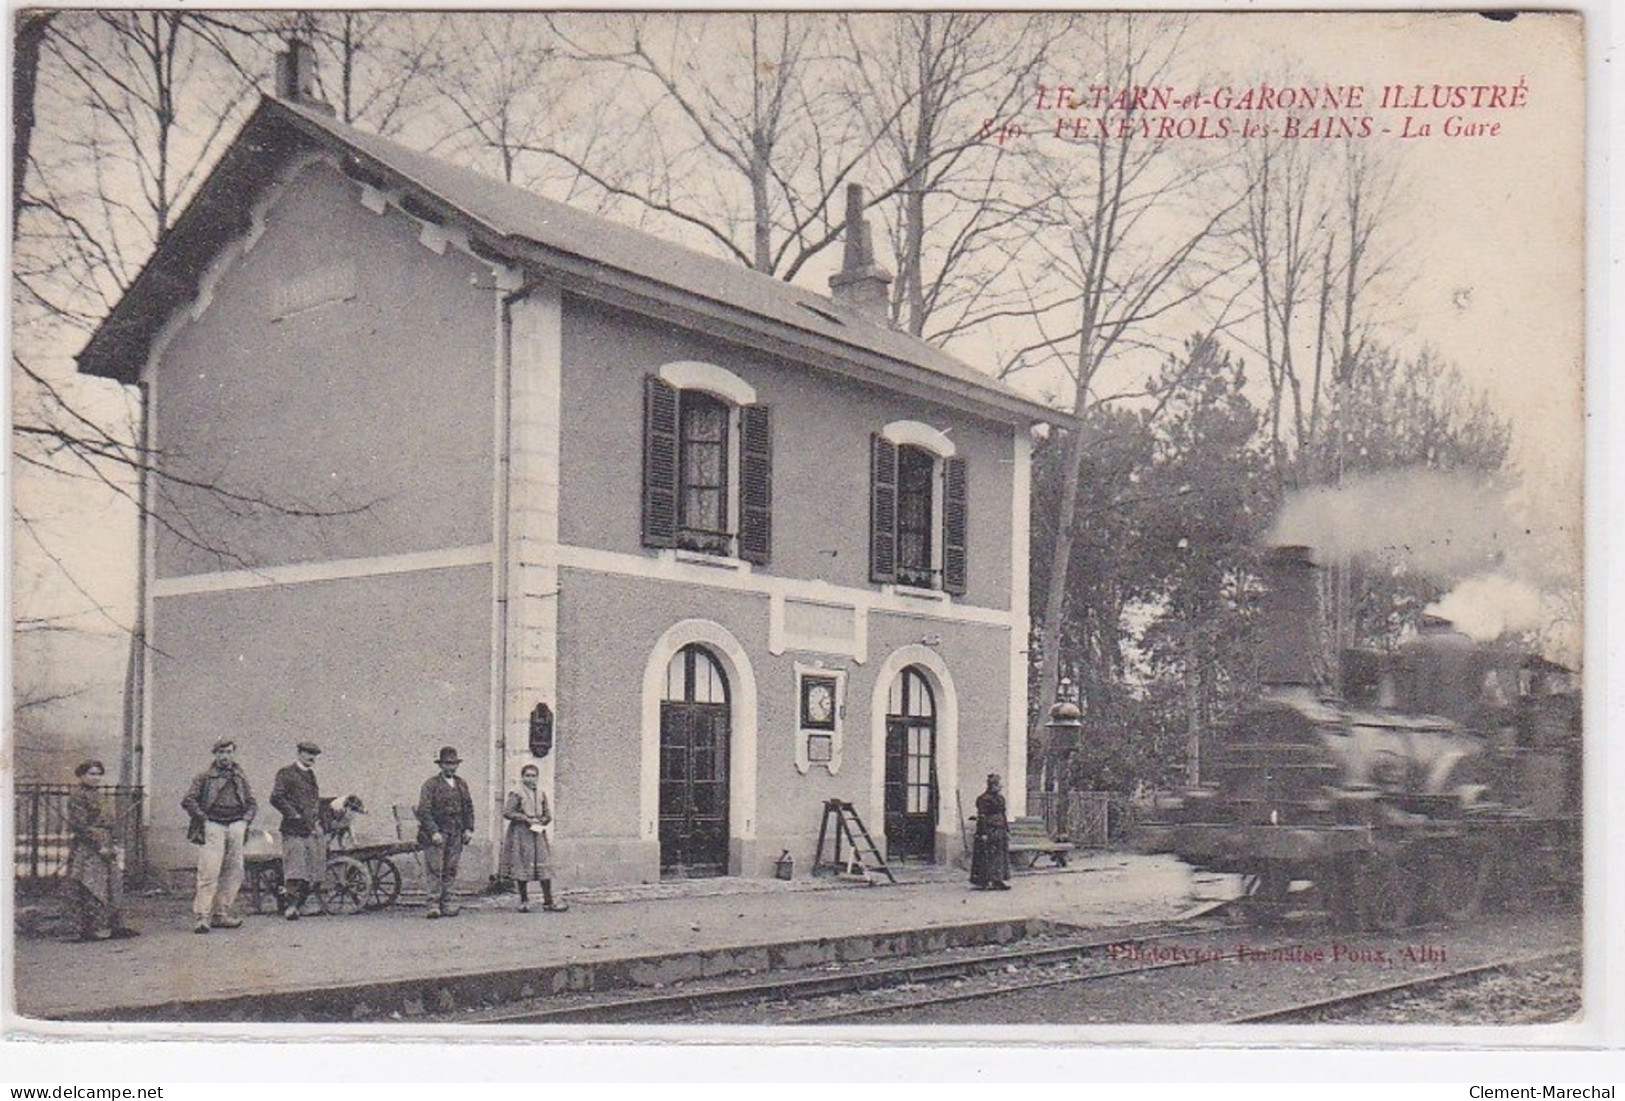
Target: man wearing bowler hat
445, 824
297, 796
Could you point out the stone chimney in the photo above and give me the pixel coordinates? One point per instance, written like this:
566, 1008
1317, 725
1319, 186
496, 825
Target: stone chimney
296, 76
861, 286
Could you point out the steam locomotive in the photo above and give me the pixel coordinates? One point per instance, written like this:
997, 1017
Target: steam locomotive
1445, 779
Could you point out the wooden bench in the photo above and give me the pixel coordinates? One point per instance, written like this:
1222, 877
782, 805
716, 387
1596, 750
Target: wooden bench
1029, 838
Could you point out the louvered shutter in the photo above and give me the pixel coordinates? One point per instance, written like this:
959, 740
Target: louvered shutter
659, 463
882, 509
953, 526
755, 483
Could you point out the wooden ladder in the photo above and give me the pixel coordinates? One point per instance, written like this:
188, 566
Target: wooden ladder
861, 853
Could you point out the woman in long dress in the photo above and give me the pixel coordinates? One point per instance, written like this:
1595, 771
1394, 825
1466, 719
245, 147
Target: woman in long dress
990, 851
526, 854
94, 876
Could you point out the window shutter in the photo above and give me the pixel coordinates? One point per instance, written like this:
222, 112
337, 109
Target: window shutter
755, 483
659, 463
953, 526
882, 509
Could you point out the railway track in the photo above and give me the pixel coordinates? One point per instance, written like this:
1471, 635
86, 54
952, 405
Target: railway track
1126, 967
1023, 985
1329, 1010
696, 998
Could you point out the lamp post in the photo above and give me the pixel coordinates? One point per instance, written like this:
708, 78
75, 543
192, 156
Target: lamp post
1064, 725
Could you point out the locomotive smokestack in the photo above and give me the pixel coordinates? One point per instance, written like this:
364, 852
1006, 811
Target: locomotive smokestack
1291, 620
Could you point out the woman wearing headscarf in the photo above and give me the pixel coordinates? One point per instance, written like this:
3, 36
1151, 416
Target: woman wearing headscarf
526, 854
94, 876
990, 852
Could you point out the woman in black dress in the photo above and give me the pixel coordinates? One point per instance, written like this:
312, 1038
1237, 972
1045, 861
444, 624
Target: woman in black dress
990, 852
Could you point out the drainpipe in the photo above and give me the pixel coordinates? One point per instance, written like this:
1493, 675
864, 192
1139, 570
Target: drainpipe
501, 558
132, 741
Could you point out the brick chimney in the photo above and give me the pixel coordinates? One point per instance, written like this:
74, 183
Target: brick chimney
296, 76
861, 286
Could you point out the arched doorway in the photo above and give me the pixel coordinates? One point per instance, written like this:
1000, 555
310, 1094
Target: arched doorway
911, 789
694, 735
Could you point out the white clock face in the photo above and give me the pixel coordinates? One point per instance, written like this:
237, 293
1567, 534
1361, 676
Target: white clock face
820, 702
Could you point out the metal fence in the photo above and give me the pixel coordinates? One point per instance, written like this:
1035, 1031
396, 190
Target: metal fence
42, 838
1095, 819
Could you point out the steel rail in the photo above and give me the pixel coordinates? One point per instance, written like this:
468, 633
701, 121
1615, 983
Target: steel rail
641, 1007
934, 999
1375, 995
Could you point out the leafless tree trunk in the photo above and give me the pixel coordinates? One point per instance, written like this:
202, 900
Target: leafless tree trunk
32, 27
929, 82
1121, 270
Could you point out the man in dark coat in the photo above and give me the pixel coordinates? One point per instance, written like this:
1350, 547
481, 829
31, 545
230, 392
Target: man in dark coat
990, 852
445, 814
297, 796
221, 806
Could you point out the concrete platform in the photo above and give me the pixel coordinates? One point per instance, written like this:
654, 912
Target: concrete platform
394, 963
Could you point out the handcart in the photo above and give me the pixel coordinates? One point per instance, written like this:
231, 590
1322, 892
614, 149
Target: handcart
359, 876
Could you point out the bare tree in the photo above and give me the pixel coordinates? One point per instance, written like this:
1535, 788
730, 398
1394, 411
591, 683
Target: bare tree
1313, 236
737, 128
1125, 236
499, 78
928, 83
132, 111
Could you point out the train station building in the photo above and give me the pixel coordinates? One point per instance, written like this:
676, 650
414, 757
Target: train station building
447, 463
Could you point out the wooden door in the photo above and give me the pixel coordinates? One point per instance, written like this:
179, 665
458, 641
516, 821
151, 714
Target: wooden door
911, 769
694, 734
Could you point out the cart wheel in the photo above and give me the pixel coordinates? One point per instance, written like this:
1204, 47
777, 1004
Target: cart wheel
265, 889
386, 882
348, 886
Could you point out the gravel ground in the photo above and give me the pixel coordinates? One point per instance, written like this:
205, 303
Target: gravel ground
1278, 970
1541, 993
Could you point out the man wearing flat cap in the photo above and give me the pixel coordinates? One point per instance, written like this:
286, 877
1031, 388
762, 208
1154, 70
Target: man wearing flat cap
445, 815
296, 795
221, 806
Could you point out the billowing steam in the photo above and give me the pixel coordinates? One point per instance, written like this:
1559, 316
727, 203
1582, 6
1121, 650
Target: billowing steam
1439, 524
1450, 527
1490, 605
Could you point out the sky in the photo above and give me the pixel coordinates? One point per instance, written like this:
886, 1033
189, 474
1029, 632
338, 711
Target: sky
1493, 226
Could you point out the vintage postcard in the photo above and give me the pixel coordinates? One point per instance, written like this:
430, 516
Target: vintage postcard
1003, 527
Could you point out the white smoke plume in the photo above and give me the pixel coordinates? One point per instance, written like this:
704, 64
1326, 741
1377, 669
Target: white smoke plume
1490, 605
1509, 572
1442, 525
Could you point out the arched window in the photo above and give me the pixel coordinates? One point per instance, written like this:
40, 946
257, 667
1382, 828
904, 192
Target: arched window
916, 513
702, 472
694, 676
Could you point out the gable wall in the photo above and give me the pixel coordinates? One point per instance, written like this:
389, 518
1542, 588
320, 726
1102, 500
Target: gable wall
340, 366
